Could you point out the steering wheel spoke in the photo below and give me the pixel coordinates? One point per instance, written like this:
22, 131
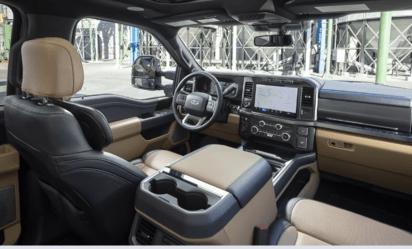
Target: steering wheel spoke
211, 105
200, 120
181, 99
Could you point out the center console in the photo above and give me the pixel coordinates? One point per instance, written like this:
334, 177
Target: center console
280, 110
277, 117
215, 195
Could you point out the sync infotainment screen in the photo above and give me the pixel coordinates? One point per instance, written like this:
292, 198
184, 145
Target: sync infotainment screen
275, 98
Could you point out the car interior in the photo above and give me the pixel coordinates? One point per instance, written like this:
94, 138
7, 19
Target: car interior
210, 163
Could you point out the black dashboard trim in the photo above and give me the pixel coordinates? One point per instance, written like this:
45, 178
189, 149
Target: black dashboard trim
356, 129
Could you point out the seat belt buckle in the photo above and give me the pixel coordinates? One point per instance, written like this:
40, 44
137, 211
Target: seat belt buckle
260, 235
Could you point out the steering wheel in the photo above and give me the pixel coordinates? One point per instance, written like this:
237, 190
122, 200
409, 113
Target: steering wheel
199, 106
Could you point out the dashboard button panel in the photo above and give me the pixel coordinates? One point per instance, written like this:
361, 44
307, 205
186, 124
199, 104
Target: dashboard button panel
303, 131
302, 142
299, 137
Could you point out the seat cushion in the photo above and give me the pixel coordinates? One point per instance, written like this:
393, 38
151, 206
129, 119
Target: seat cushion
310, 222
155, 160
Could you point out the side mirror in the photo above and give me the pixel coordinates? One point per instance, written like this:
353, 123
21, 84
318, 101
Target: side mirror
145, 73
274, 41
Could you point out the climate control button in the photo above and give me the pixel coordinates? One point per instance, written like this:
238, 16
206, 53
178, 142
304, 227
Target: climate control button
254, 130
285, 136
262, 123
278, 127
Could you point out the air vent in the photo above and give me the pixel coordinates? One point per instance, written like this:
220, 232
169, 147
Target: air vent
145, 232
307, 96
248, 90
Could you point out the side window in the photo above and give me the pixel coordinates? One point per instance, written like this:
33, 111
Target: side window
6, 24
109, 52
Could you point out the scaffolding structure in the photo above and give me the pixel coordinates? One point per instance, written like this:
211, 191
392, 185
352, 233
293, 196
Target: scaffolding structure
5, 31
355, 38
359, 39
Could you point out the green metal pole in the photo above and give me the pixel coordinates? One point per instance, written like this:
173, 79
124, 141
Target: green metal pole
91, 40
121, 45
383, 52
329, 48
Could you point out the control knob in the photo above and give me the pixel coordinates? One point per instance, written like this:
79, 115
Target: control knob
262, 123
285, 136
278, 127
254, 130
247, 103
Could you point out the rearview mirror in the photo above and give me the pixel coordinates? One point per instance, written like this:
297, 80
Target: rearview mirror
274, 41
145, 73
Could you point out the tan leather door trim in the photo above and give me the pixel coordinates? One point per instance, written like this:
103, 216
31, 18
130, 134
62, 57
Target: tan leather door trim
125, 128
381, 162
129, 144
9, 166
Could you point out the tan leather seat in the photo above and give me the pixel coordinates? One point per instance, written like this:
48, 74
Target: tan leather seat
155, 160
310, 222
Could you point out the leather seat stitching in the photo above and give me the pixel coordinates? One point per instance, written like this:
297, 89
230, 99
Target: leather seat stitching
96, 170
120, 167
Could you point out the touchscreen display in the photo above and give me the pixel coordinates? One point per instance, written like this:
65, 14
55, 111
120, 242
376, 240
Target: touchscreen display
275, 98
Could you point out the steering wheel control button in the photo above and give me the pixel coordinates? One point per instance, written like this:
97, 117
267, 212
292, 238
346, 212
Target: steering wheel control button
262, 123
254, 130
285, 137
302, 142
303, 131
278, 127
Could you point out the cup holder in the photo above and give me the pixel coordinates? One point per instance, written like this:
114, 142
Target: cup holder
188, 200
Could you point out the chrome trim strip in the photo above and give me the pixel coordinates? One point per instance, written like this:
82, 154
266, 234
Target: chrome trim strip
359, 123
282, 171
200, 184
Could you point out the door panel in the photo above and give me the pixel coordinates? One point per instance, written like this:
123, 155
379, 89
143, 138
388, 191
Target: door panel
115, 107
376, 161
128, 142
9, 194
138, 126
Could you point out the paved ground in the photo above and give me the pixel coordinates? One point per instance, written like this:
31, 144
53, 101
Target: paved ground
103, 77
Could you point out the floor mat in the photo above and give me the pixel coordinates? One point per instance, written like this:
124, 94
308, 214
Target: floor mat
366, 200
370, 212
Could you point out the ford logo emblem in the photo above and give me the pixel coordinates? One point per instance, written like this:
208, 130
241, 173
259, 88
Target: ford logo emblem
194, 102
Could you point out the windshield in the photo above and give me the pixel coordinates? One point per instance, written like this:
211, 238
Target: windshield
355, 52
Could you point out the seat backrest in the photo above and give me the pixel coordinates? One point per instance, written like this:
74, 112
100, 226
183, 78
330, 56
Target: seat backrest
92, 191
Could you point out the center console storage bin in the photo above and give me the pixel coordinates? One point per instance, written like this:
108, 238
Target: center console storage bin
215, 195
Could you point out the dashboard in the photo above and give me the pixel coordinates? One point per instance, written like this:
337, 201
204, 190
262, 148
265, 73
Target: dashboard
286, 110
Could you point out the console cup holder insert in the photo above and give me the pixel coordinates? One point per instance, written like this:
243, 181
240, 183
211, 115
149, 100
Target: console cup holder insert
191, 201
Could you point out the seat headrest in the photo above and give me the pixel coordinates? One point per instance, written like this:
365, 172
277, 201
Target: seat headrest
51, 68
